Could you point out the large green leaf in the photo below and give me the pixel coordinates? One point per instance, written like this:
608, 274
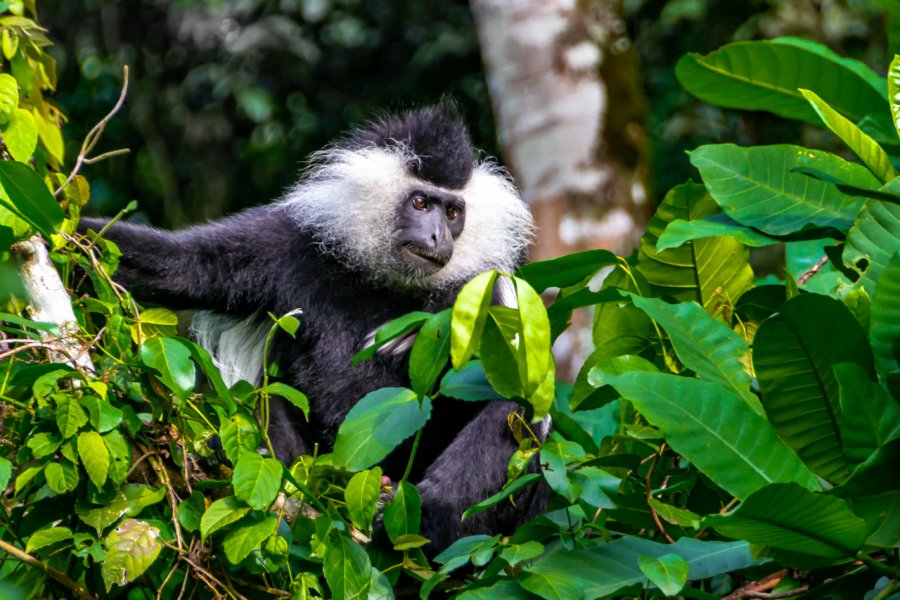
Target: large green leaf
705, 345
129, 500
244, 539
130, 550
788, 517
793, 355
875, 238
346, 566
469, 312
172, 360
715, 429
534, 357
379, 421
404, 514
700, 270
868, 151
680, 231
220, 513
884, 327
893, 82
767, 75
606, 568
25, 195
256, 479
565, 270
668, 572
94, 456
430, 351
760, 186
869, 416
361, 496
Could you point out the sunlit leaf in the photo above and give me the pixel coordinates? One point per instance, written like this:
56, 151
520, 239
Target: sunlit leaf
361, 496
256, 479
244, 539
130, 550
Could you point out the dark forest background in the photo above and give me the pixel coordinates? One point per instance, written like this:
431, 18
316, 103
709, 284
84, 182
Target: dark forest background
228, 98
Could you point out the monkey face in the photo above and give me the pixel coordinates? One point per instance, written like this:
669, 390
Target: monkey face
429, 222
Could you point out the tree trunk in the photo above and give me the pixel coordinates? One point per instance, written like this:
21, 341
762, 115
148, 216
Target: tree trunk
570, 111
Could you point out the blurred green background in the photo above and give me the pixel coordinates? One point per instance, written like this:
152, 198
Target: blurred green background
228, 98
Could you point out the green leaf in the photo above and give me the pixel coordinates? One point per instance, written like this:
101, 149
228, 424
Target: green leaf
120, 455
675, 515
429, 354
190, 511
51, 136
715, 429
404, 513
103, 415
516, 553
869, 416
20, 135
240, 542
25, 194
130, 550
469, 313
155, 322
377, 424
43, 444
361, 496
884, 325
129, 500
868, 151
392, 330
346, 566
220, 513
893, 83
62, 476
172, 360
786, 516
702, 270
9, 96
565, 270
668, 572
5, 472
875, 237
295, 397
70, 417
534, 342
758, 186
704, 344
680, 231
94, 456
256, 479
203, 358
766, 75
47, 537
508, 490
410, 541
793, 356
239, 433
604, 569
498, 356
470, 383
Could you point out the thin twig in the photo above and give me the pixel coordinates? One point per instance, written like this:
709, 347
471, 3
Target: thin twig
800, 590
62, 578
763, 585
812, 271
94, 134
163, 475
649, 486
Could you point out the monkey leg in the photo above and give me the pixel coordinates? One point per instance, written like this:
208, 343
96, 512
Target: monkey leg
471, 469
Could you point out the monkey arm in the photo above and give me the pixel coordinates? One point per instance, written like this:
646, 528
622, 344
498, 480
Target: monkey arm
226, 265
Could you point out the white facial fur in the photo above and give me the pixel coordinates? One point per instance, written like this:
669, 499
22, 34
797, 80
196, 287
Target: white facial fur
349, 198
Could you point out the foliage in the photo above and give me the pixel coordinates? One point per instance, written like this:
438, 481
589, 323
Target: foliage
725, 429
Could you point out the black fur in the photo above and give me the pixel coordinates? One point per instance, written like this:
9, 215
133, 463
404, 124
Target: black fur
262, 261
437, 137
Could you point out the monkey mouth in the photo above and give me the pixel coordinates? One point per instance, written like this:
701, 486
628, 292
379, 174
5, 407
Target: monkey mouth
421, 257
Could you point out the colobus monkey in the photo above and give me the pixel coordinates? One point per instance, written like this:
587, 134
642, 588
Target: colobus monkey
394, 217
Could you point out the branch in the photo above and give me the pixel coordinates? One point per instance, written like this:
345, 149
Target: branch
61, 578
756, 587
812, 271
50, 303
93, 136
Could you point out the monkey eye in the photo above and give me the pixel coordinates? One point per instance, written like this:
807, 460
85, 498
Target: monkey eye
419, 203
452, 213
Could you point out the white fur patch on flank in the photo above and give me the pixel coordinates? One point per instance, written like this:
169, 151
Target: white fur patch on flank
349, 197
235, 345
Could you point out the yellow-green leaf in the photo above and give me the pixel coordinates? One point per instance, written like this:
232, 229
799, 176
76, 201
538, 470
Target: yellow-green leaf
51, 137
9, 42
893, 81
130, 549
94, 456
9, 96
20, 135
469, 312
867, 149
